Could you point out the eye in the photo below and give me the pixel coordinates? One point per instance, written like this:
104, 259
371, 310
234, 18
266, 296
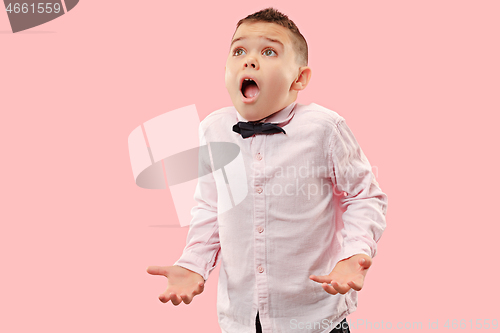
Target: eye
238, 51
269, 53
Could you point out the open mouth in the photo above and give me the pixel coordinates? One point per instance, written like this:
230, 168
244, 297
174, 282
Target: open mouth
249, 89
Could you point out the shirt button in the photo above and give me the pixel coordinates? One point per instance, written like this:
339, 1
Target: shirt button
259, 190
260, 269
260, 229
258, 156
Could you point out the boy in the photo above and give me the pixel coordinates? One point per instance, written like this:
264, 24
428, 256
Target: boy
288, 263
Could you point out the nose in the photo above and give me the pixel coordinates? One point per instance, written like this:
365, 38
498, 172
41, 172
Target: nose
251, 62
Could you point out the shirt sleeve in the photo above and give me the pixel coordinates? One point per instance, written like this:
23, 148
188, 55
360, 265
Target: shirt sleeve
201, 254
364, 202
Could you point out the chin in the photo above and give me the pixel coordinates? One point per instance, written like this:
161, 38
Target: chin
247, 113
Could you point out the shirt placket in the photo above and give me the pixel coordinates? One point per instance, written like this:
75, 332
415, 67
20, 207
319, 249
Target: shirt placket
259, 193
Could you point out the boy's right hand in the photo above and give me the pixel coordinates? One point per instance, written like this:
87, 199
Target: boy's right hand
183, 284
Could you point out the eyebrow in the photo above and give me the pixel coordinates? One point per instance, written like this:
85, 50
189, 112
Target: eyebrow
269, 39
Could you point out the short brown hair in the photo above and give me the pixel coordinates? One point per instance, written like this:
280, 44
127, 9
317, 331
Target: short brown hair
271, 15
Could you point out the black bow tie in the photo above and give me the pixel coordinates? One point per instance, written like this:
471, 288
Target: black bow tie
250, 128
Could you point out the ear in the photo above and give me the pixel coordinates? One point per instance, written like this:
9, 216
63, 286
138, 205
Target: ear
302, 80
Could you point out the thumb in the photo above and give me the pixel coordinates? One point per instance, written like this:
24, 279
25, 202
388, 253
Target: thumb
321, 278
158, 270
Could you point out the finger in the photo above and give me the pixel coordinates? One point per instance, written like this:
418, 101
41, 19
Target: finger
321, 279
199, 288
176, 300
157, 270
341, 288
329, 289
164, 298
365, 263
357, 282
186, 299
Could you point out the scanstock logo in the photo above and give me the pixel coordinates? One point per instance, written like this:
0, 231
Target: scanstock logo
169, 150
25, 15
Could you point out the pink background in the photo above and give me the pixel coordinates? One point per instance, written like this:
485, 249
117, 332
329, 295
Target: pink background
417, 81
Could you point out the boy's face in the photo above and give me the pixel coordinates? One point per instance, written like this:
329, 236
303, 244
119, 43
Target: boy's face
262, 52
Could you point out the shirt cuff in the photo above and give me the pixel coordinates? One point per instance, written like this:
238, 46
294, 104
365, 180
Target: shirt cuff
353, 248
195, 263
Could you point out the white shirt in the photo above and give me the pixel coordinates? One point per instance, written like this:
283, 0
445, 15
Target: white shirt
312, 201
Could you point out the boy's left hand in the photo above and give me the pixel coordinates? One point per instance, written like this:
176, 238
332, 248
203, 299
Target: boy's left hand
348, 273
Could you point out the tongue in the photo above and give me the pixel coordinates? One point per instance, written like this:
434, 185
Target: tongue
251, 90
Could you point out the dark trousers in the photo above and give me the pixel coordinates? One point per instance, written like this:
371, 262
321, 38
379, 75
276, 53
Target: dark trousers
343, 327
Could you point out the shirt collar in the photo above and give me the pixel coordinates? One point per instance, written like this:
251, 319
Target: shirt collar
281, 117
